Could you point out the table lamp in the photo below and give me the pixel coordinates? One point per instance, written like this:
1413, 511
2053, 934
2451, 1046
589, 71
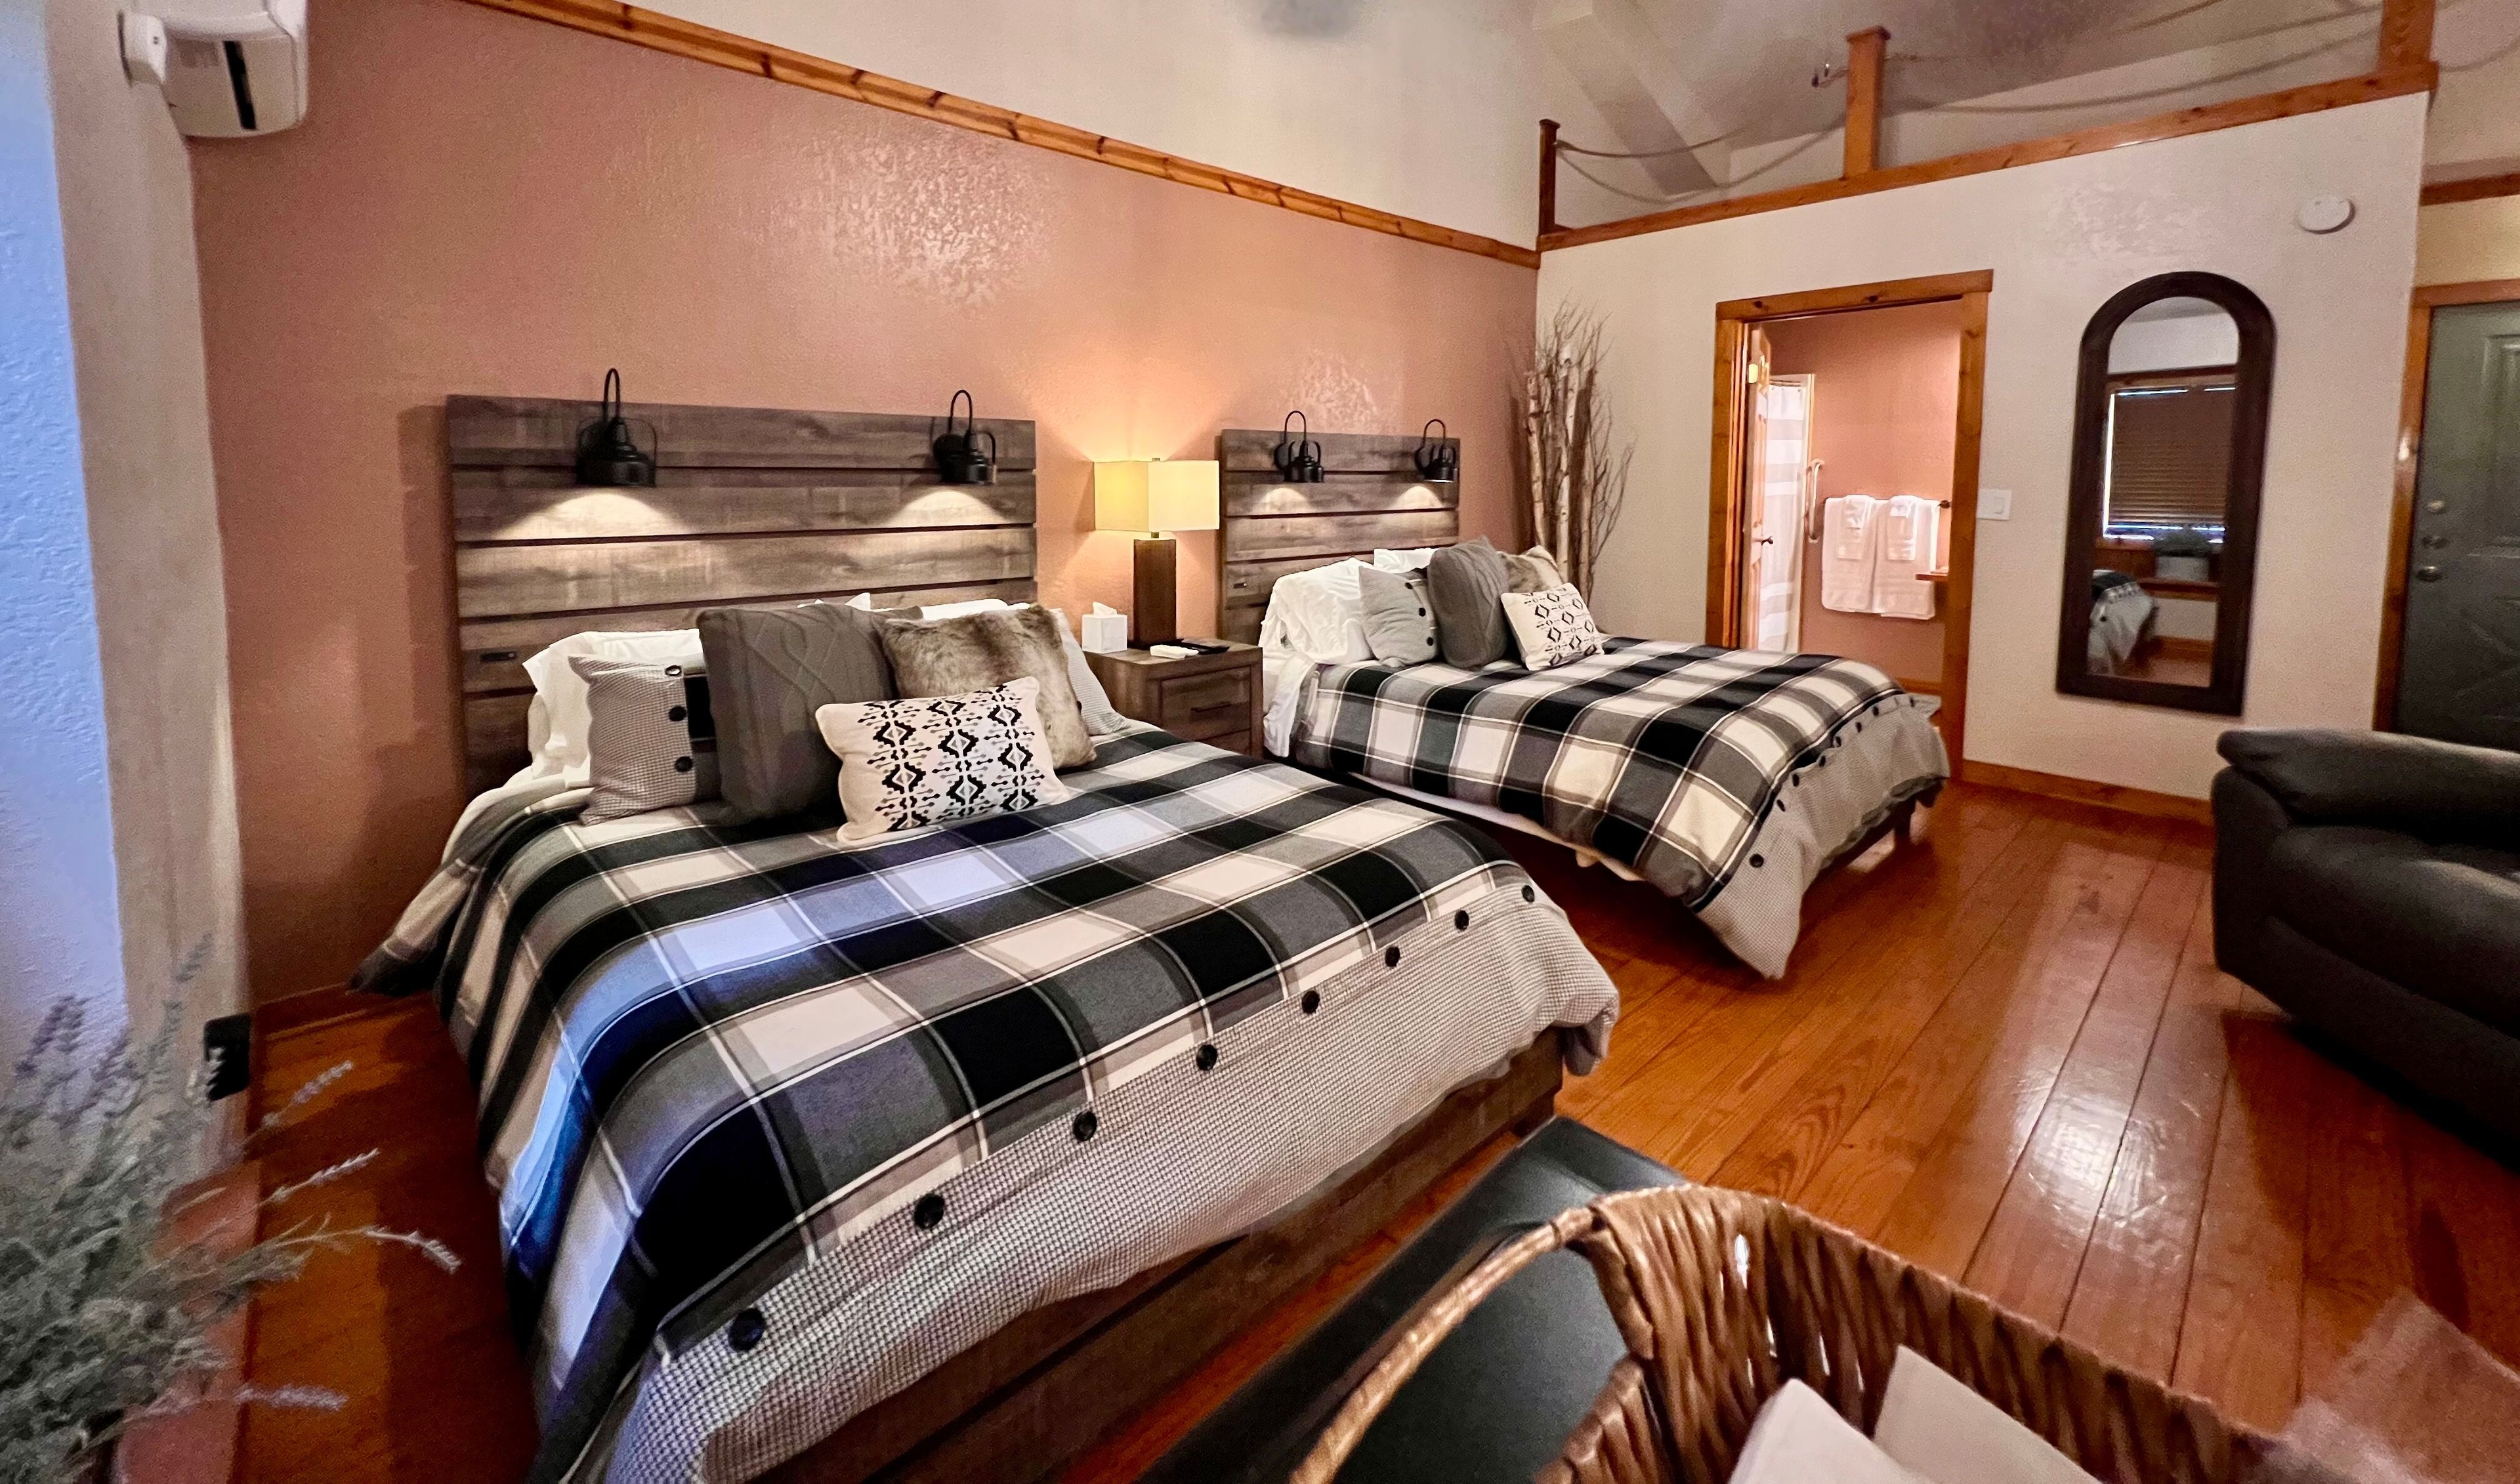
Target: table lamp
1158, 496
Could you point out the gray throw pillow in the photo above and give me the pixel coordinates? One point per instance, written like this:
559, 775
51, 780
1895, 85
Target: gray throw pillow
770, 671
651, 742
1399, 623
1466, 585
958, 657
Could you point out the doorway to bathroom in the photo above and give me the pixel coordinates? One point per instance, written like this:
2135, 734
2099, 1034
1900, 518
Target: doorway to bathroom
1845, 477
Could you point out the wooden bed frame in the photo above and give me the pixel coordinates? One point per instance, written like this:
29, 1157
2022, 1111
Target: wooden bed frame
1372, 496
758, 507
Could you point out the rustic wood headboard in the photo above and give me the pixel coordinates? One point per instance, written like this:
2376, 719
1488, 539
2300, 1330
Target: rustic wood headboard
752, 507
1373, 497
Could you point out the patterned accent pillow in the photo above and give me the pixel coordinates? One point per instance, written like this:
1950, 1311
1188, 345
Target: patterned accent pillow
1552, 627
929, 759
1532, 571
650, 736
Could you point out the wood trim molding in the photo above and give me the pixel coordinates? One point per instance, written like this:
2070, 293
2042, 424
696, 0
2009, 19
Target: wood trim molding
2483, 291
2441, 193
1864, 51
700, 43
1900, 290
2401, 494
2318, 97
2083, 790
1959, 588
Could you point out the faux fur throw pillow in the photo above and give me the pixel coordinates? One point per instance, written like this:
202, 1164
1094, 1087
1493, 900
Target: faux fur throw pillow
909, 763
956, 657
1531, 572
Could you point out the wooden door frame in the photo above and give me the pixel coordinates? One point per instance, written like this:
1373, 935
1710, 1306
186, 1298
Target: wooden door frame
1726, 519
2410, 437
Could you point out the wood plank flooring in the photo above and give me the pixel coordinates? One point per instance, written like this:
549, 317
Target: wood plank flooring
2004, 1052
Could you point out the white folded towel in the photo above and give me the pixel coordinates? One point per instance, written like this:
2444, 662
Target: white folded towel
1850, 548
1910, 529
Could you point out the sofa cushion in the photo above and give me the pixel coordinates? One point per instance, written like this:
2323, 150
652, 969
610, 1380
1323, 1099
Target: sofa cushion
2442, 921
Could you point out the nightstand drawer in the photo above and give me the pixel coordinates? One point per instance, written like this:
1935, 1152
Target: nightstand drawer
1200, 706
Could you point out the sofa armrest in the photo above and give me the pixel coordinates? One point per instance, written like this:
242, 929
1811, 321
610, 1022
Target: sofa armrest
2435, 790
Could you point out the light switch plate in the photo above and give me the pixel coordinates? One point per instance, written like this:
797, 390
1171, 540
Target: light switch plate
1994, 503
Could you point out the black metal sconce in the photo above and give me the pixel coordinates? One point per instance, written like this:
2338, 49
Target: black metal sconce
961, 457
1438, 458
608, 456
1299, 454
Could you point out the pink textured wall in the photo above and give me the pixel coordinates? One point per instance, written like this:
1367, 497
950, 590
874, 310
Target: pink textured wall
1886, 395
482, 204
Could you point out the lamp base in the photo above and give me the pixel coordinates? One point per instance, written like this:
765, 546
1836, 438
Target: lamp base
1152, 618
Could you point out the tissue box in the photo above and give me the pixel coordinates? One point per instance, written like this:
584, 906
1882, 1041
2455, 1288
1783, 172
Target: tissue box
1104, 633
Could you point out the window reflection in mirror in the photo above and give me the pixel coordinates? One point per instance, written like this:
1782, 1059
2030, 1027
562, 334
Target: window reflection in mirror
2168, 434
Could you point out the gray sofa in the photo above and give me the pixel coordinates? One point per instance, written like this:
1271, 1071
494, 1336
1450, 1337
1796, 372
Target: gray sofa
2370, 884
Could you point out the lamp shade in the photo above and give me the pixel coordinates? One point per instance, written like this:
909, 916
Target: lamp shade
1155, 495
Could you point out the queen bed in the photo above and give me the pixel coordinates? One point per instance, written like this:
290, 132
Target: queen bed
830, 1156
1726, 779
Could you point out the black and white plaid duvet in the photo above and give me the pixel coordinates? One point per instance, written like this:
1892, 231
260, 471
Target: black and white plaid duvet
1665, 757
708, 1054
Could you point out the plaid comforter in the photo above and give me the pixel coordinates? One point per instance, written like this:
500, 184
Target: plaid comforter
706, 1052
1663, 756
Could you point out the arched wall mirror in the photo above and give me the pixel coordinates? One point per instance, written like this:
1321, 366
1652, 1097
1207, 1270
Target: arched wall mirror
2169, 441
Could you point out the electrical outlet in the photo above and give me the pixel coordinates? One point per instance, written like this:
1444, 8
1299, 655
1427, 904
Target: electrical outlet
227, 1045
1994, 503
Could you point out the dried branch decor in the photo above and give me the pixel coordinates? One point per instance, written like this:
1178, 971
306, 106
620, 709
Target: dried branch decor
1572, 463
104, 1320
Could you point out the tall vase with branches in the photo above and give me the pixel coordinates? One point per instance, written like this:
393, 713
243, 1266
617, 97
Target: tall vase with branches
1571, 460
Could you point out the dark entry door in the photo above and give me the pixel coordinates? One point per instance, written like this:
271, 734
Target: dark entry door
2459, 673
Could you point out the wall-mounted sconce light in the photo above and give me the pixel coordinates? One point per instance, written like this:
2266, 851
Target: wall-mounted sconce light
968, 455
1299, 454
1158, 496
608, 456
1439, 458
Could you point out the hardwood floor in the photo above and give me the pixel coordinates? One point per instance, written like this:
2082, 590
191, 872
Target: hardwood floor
2004, 1053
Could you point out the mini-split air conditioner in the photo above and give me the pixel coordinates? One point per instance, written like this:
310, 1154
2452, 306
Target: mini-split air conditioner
230, 69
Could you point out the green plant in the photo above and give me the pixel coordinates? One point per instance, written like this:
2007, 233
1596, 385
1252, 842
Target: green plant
105, 1318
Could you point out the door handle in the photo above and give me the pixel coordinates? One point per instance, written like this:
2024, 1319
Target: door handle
2428, 574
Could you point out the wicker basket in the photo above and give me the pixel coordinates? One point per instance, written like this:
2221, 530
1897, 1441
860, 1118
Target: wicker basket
1723, 1298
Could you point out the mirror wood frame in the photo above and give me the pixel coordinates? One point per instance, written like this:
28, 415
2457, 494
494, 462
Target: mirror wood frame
2254, 385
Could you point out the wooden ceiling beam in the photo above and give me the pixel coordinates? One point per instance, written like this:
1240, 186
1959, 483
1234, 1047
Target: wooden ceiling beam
1864, 56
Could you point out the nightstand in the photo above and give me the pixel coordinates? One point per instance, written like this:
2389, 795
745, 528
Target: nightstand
1214, 699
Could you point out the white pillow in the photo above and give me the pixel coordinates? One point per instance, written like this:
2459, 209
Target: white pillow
1551, 627
974, 606
928, 760
1320, 615
1407, 560
559, 735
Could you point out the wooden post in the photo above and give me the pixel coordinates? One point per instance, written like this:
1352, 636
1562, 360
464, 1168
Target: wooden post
1864, 100
2405, 33
1548, 176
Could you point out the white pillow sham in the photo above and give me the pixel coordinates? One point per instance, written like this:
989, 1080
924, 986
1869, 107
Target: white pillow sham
1319, 614
1411, 558
928, 760
556, 724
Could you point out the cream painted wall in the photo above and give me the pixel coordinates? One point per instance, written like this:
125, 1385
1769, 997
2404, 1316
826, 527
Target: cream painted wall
153, 535
2464, 242
2061, 237
1426, 108
59, 932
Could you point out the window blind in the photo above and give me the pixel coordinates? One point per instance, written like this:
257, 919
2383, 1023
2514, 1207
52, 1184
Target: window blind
2170, 451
